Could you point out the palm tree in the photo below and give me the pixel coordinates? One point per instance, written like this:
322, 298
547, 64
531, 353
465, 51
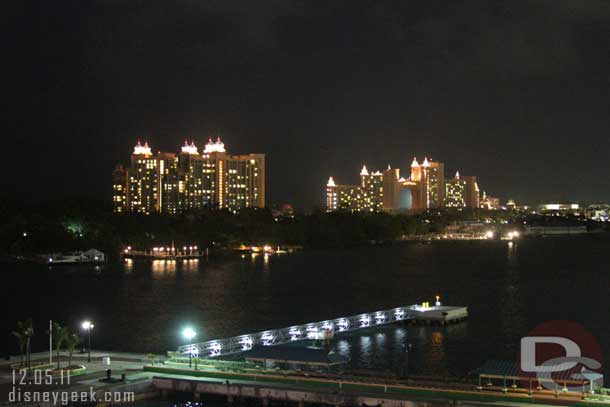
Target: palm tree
27, 330
21, 339
197, 361
72, 340
59, 336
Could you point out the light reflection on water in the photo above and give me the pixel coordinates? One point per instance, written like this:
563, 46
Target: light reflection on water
385, 348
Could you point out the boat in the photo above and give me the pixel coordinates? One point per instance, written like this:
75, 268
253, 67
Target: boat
77, 257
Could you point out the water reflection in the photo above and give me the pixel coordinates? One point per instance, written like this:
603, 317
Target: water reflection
190, 265
128, 266
511, 300
163, 267
343, 347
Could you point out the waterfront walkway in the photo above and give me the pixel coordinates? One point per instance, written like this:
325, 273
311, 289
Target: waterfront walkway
147, 381
301, 390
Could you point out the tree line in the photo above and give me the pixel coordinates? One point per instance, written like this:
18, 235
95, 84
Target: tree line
80, 225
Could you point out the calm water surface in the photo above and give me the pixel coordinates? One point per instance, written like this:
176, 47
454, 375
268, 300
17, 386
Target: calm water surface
142, 306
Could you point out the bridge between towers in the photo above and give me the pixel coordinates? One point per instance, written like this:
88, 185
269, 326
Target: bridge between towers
325, 329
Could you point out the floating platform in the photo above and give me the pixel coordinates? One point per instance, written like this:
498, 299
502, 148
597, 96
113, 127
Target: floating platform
438, 314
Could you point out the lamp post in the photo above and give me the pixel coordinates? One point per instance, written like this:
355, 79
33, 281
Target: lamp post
88, 326
189, 333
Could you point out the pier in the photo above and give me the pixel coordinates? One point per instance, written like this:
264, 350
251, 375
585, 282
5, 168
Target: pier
165, 253
322, 330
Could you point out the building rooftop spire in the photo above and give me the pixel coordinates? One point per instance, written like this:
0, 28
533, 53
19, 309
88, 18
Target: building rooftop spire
457, 175
414, 163
364, 171
331, 182
214, 146
189, 148
425, 163
142, 149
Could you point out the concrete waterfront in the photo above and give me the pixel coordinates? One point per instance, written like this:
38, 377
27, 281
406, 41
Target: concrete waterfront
128, 382
303, 391
153, 381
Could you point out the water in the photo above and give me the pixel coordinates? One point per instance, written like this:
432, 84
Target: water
142, 307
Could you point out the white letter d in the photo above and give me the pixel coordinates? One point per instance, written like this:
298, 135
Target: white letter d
528, 353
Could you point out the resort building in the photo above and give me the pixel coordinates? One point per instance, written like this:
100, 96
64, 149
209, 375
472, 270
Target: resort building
366, 197
461, 192
173, 183
424, 189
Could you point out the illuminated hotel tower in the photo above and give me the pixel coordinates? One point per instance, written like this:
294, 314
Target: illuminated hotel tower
429, 188
174, 183
143, 181
462, 192
455, 192
371, 190
119, 189
366, 197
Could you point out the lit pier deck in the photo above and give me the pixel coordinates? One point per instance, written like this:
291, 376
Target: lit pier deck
440, 315
322, 330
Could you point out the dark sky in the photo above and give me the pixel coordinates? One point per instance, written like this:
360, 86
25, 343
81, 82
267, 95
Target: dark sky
515, 92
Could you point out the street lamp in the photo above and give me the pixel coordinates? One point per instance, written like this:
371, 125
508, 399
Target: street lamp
88, 326
189, 333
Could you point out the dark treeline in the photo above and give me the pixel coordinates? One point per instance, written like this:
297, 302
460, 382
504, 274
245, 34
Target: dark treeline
27, 230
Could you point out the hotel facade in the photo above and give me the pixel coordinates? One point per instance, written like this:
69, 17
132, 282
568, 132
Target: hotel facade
425, 188
174, 183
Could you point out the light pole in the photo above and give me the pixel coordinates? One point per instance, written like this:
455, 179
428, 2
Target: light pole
88, 326
189, 333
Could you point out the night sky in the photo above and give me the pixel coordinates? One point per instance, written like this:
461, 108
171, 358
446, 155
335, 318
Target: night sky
515, 92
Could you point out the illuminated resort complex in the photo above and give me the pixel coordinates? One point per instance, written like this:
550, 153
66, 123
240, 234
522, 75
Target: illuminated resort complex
173, 183
388, 191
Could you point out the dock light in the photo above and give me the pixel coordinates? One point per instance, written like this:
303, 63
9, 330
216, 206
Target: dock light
246, 343
343, 324
215, 349
189, 333
379, 317
267, 248
489, 234
438, 301
194, 247
294, 333
88, 326
267, 339
184, 248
